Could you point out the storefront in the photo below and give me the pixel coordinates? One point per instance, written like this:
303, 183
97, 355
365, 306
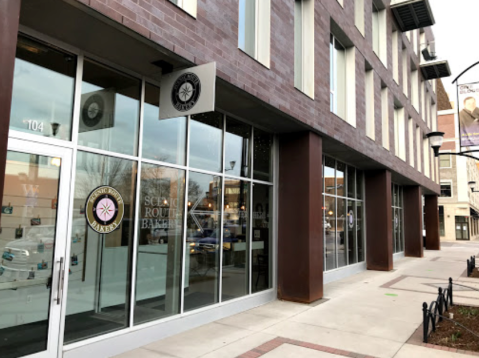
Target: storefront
398, 219
343, 215
189, 225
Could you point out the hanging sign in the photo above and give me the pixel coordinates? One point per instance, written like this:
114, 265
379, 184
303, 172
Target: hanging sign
104, 209
189, 91
468, 96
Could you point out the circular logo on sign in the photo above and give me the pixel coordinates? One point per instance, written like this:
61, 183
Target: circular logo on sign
104, 209
186, 92
351, 219
92, 111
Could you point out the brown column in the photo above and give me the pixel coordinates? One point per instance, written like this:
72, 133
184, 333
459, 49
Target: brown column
412, 209
431, 219
379, 221
9, 21
300, 221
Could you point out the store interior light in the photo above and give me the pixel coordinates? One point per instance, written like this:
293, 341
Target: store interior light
435, 141
330, 212
56, 162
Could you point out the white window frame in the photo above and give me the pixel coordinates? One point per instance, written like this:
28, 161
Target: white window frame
359, 16
450, 159
411, 141
395, 53
379, 34
348, 112
427, 163
385, 117
399, 133
369, 105
304, 46
405, 73
447, 181
189, 6
418, 149
262, 32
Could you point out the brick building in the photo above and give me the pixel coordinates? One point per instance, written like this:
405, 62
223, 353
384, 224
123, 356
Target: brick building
458, 206
118, 228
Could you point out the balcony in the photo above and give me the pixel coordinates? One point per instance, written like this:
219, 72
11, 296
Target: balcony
435, 69
412, 14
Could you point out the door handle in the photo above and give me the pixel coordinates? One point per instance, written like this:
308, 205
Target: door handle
60, 281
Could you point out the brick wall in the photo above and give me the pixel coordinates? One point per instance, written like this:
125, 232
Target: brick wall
213, 36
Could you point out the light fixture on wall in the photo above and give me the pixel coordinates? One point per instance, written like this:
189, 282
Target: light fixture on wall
471, 185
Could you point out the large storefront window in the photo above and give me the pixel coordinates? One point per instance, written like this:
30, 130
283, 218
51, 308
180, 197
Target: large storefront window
397, 217
343, 215
196, 194
159, 243
43, 87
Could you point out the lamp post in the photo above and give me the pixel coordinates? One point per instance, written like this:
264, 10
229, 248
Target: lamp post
435, 141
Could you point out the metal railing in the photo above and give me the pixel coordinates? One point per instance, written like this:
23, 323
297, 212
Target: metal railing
433, 313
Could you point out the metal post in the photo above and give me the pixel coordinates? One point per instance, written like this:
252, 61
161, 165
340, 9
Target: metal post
450, 291
440, 303
425, 321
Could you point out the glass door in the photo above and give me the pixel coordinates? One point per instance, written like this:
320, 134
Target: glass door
33, 234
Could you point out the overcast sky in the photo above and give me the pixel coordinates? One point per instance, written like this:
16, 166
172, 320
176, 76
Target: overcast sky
456, 32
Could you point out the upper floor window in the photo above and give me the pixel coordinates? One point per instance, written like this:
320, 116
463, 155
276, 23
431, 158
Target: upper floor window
446, 190
337, 69
188, 5
359, 15
445, 161
304, 46
343, 79
254, 29
379, 33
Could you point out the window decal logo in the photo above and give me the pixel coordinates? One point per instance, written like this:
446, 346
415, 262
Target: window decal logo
104, 209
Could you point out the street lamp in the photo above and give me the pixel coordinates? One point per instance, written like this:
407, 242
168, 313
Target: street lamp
435, 141
471, 185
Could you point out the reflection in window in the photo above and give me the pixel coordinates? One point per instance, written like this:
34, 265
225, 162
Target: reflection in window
330, 232
359, 232
43, 89
27, 242
340, 170
329, 176
397, 219
171, 132
160, 232
99, 283
202, 241
343, 215
263, 144
206, 141
351, 228
261, 241
341, 234
237, 148
109, 111
235, 280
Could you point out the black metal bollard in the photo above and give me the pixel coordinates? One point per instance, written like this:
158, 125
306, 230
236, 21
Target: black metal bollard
468, 268
425, 322
440, 303
450, 291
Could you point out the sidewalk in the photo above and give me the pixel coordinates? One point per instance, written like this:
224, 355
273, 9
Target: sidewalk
371, 314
